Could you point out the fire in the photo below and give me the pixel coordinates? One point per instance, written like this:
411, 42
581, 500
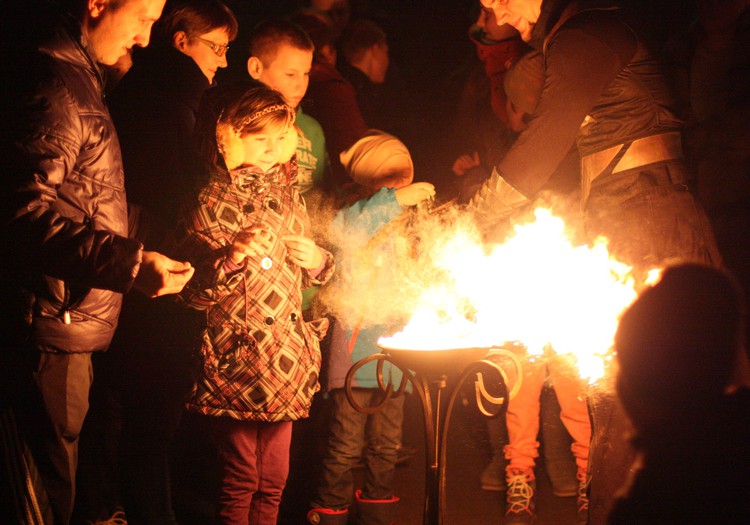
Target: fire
537, 288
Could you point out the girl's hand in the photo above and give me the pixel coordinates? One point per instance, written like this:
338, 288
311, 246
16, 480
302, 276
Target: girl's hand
303, 251
254, 242
413, 194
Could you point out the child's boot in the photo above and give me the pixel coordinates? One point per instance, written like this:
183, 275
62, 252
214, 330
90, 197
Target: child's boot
321, 516
376, 511
558, 459
520, 498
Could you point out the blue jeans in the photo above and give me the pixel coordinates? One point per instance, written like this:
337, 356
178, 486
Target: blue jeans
350, 432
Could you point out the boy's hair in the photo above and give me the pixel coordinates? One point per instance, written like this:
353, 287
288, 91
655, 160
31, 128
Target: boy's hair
269, 35
196, 17
359, 36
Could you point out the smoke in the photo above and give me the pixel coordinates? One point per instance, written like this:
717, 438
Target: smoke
380, 277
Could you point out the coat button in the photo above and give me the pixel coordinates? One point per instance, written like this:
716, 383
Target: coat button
269, 320
248, 208
293, 316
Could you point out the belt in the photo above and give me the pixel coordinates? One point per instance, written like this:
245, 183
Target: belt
640, 152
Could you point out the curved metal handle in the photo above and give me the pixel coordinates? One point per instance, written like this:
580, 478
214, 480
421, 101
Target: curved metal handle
388, 391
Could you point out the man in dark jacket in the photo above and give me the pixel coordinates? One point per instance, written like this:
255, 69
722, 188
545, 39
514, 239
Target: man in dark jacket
603, 90
68, 256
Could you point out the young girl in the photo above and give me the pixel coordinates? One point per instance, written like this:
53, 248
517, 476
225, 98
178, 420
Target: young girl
246, 232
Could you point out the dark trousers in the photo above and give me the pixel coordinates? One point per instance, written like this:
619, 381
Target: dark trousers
253, 469
651, 217
50, 399
153, 391
351, 431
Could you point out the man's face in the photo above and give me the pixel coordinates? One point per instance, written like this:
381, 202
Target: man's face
288, 73
113, 32
381, 61
521, 14
487, 22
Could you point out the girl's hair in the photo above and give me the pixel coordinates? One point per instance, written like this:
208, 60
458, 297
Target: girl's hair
196, 17
255, 109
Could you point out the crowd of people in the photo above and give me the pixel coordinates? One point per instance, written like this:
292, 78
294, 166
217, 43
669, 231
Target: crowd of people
188, 183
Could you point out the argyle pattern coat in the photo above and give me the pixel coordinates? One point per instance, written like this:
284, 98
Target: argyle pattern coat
260, 359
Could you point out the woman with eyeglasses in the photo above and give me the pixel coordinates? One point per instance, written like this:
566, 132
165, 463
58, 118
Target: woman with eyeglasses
150, 362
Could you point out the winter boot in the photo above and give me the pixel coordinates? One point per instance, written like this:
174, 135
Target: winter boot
582, 517
375, 511
321, 516
558, 459
493, 475
520, 498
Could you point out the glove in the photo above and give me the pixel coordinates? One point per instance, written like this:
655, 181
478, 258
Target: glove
496, 201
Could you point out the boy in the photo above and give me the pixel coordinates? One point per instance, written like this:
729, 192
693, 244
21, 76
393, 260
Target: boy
281, 57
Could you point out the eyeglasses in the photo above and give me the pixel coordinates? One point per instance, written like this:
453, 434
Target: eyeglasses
216, 48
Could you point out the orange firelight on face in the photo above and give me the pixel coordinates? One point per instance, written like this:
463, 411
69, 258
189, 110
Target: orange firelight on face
536, 288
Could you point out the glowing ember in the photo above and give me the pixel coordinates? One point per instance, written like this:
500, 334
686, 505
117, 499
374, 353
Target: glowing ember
536, 288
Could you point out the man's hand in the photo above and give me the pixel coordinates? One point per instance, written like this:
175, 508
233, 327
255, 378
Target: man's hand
303, 251
413, 194
160, 275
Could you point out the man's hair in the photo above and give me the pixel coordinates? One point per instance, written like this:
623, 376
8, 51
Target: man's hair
269, 35
318, 29
359, 36
679, 341
196, 17
78, 7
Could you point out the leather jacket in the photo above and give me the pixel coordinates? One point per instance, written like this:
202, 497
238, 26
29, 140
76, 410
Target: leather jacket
64, 225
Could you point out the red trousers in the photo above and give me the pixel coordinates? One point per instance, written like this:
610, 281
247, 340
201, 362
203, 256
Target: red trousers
254, 465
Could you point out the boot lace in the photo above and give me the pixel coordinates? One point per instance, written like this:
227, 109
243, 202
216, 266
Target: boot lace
583, 495
118, 518
520, 494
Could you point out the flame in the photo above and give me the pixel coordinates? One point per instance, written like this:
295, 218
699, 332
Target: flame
537, 288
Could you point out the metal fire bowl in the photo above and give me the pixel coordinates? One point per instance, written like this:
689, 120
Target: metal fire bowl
436, 363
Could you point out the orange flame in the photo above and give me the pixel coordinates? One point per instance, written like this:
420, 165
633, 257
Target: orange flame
536, 288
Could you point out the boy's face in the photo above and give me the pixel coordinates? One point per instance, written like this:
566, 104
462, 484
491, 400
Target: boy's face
268, 147
515, 117
114, 32
288, 72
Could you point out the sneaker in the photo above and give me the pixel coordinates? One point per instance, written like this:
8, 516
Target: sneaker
520, 497
493, 475
118, 518
582, 516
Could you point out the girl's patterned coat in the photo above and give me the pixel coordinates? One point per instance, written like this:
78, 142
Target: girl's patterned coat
260, 358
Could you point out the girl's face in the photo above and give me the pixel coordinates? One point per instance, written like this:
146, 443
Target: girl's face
268, 147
